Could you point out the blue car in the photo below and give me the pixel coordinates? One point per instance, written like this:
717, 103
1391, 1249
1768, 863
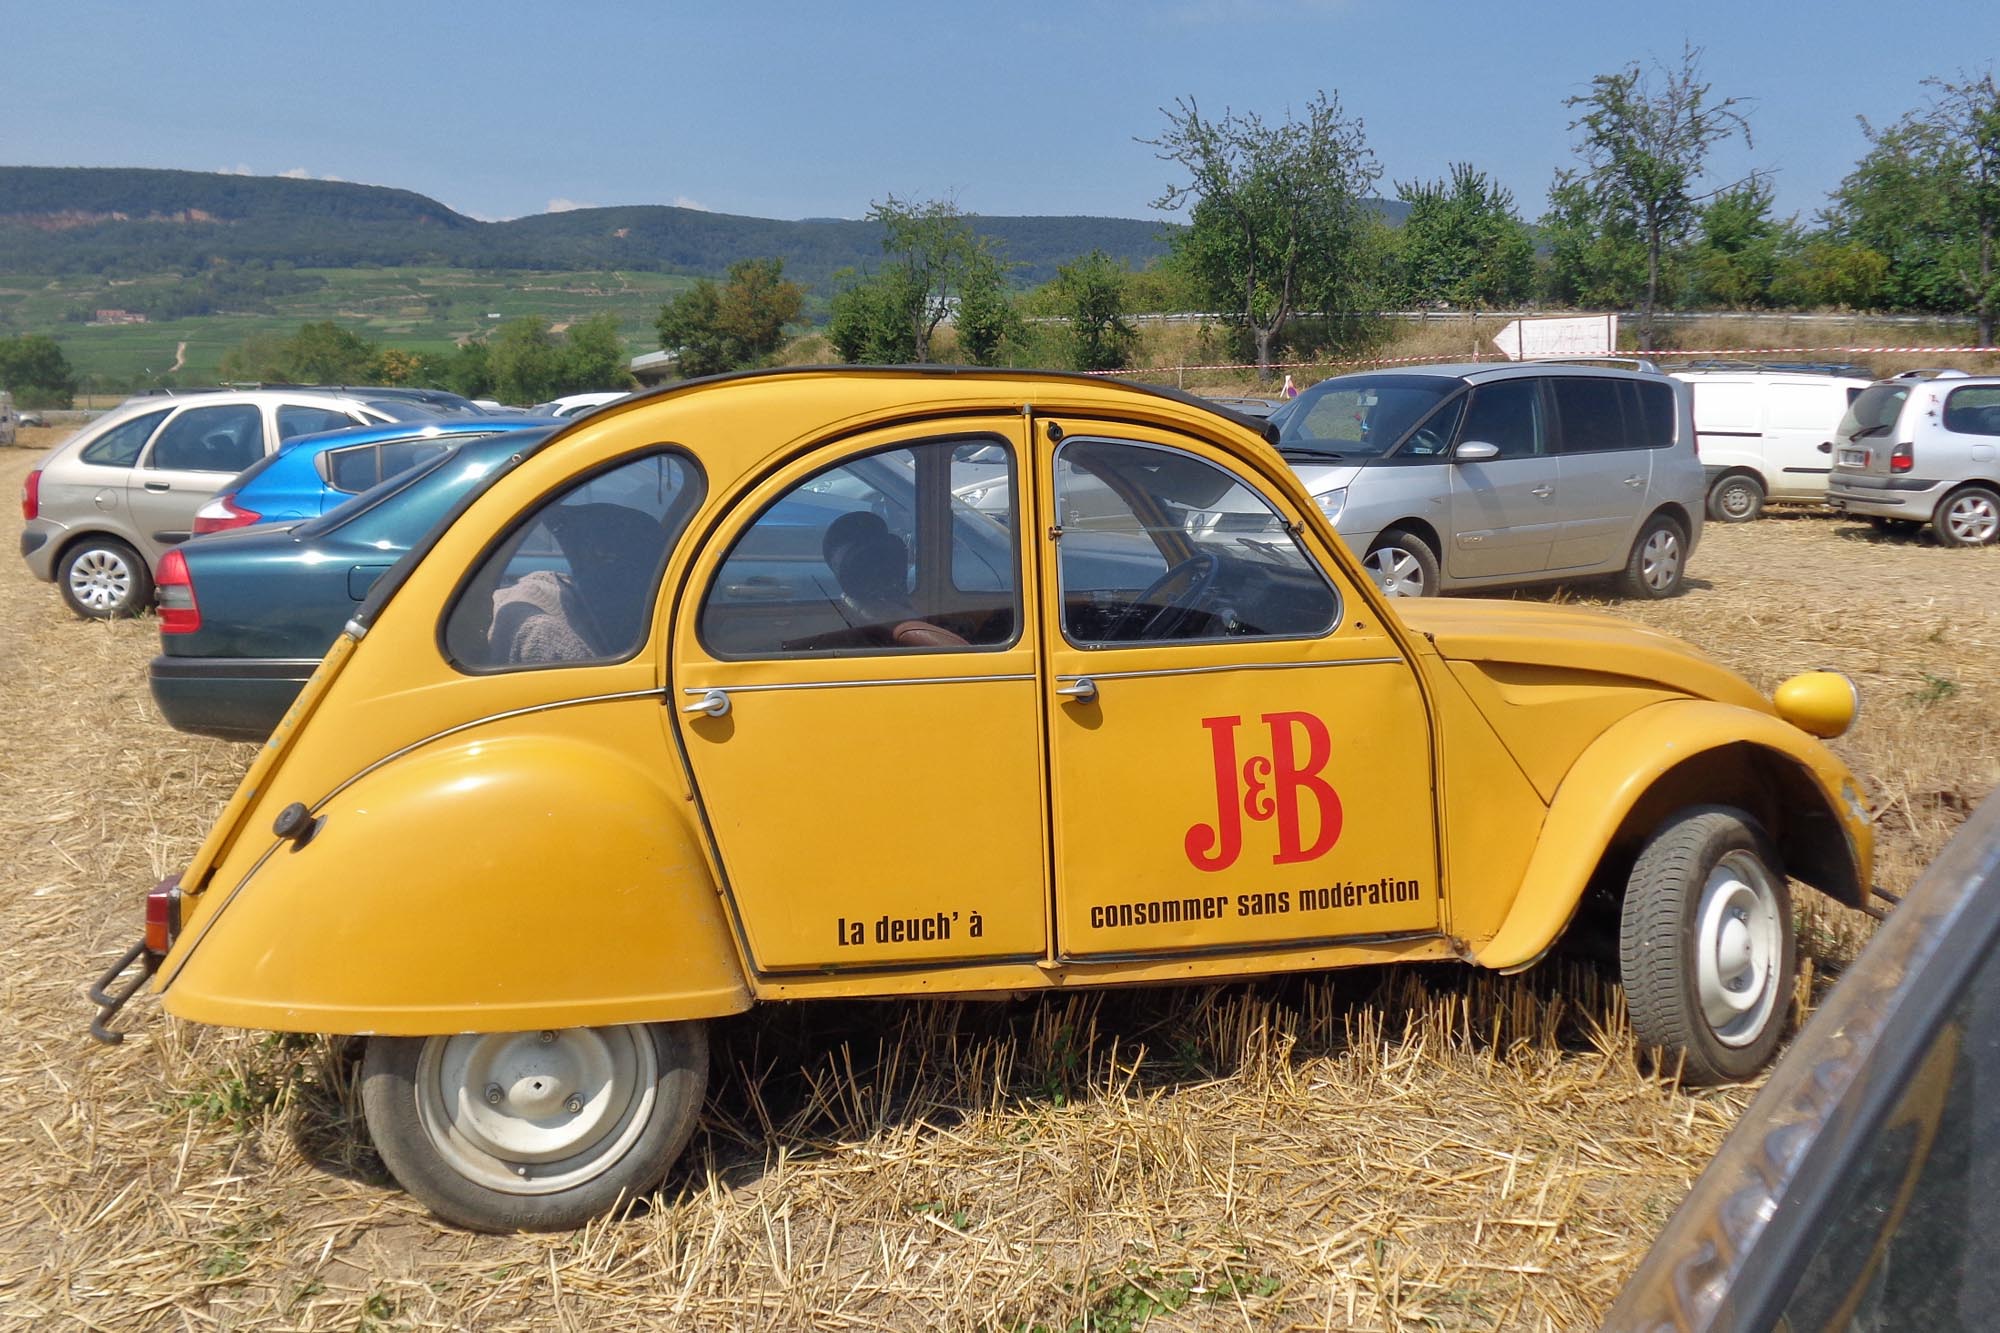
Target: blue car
312, 474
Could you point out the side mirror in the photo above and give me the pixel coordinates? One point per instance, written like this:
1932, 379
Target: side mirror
1475, 451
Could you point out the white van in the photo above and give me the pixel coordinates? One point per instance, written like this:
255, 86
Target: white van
1767, 433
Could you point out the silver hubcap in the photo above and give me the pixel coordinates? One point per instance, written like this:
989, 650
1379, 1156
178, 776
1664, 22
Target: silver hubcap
101, 580
1739, 939
1660, 560
536, 1112
1397, 573
1972, 519
1738, 499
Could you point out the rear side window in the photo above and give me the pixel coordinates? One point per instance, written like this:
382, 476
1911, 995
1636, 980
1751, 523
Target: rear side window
1656, 414
294, 420
574, 582
1974, 411
211, 439
121, 445
356, 469
1593, 415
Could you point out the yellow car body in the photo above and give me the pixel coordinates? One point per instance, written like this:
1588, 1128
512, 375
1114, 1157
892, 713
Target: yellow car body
573, 846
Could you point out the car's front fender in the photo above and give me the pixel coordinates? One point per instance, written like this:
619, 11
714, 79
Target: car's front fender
1664, 757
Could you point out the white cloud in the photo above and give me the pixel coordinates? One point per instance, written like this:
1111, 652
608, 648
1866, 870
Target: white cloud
567, 205
682, 201
301, 174
240, 169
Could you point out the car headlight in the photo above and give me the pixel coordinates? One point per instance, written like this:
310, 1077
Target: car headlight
1332, 502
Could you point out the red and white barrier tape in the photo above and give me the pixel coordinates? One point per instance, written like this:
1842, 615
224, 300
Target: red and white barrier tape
1501, 361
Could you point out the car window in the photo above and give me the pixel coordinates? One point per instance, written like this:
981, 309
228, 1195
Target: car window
210, 439
1360, 415
121, 445
575, 580
352, 470
1655, 415
1507, 415
1159, 546
1874, 412
876, 554
1593, 414
1973, 411
294, 420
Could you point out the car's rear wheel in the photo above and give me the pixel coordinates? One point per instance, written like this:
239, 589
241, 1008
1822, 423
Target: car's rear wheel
1403, 564
534, 1131
1706, 945
1970, 517
1658, 561
104, 579
1737, 498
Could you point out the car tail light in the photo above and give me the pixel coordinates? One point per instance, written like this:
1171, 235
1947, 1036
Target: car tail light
31, 494
1902, 458
179, 612
163, 914
223, 513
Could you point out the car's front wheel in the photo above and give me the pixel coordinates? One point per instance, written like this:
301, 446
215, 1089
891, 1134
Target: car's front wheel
1737, 498
104, 579
534, 1131
1403, 564
1706, 945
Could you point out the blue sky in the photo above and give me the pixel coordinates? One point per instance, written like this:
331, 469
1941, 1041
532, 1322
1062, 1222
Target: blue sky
815, 110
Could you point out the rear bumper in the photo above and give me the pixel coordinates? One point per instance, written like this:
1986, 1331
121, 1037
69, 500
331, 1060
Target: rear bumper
230, 698
39, 544
1913, 498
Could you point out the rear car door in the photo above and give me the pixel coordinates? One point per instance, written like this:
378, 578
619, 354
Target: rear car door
1504, 512
1605, 468
1799, 421
188, 459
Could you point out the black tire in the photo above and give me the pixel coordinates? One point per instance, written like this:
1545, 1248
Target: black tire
1402, 564
1658, 563
1710, 987
102, 578
1969, 516
1736, 498
442, 1147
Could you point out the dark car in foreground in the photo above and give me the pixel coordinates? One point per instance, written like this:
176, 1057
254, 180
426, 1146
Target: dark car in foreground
246, 614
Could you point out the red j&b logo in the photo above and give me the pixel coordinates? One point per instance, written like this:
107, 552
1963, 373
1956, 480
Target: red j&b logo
1266, 787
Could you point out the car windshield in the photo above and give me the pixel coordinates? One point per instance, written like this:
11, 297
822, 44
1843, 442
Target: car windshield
1874, 411
1359, 416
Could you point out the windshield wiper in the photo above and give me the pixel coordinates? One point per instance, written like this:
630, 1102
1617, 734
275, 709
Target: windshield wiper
1310, 451
1866, 431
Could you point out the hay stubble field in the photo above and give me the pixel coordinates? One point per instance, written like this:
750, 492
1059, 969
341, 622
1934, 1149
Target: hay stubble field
1418, 1149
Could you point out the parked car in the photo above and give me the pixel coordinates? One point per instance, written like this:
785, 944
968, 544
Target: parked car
103, 506
591, 767
10, 421
1859, 1190
1915, 450
402, 400
246, 614
1766, 434
311, 474
1490, 476
570, 405
1248, 406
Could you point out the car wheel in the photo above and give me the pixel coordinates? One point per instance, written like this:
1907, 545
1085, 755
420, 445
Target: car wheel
534, 1131
1737, 498
1402, 565
104, 579
1706, 947
1970, 517
1658, 561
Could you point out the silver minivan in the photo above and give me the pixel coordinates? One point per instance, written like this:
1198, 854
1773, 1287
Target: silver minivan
1913, 451
1486, 476
105, 505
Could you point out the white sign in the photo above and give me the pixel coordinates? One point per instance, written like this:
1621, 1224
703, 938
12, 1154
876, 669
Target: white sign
1581, 335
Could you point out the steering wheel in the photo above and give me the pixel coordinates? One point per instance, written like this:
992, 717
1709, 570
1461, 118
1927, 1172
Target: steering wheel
1198, 573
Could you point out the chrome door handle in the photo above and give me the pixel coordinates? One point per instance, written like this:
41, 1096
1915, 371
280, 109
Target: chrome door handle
713, 703
158, 487
1544, 491
1635, 481
1083, 690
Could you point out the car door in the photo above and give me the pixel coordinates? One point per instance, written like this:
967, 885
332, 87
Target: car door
1503, 508
188, 459
1603, 470
1239, 753
866, 730
1799, 421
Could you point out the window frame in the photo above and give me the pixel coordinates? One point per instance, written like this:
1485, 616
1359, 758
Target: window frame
1291, 527
1547, 424
531, 511
148, 460
158, 416
1015, 474
1631, 416
1945, 412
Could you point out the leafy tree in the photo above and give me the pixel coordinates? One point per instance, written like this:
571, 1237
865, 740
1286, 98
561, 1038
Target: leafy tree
1274, 210
873, 320
1644, 145
34, 369
1462, 242
1825, 271
985, 320
1927, 197
1594, 259
740, 323
469, 371
592, 357
261, 358
325, 353
525, 360
1736, 258
935, 261
1092, 293
395, 365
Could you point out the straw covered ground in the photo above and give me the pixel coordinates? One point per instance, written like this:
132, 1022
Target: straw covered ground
1425, 1148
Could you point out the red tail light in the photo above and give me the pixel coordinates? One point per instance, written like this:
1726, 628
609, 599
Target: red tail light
223, 513
179, 612
1902, 458
31, 494
163, 914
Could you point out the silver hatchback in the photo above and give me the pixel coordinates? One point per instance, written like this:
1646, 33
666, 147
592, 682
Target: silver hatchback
1913, 451
1487, 476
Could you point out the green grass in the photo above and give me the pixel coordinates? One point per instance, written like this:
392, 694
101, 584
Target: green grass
422, 309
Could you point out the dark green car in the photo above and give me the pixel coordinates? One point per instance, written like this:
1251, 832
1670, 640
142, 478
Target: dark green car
246, 615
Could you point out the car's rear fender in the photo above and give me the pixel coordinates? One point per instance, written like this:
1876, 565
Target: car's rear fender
511, 875
1662, 758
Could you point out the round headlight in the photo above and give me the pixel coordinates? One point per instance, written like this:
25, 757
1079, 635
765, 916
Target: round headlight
1822, 703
